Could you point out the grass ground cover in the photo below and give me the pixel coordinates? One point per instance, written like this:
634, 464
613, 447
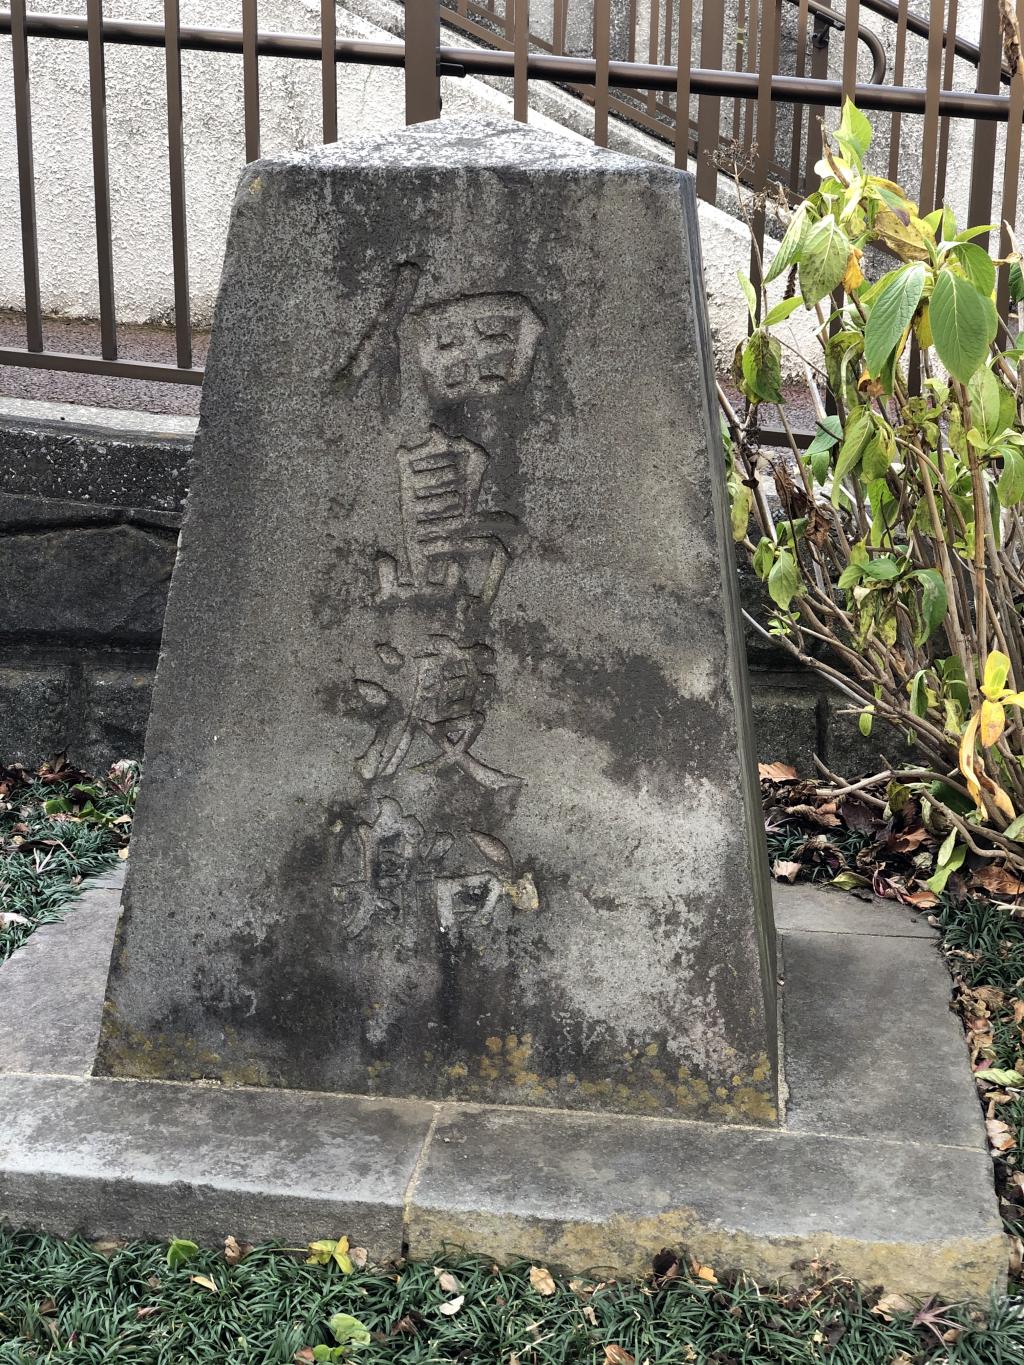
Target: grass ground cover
78, 1302
68, 1302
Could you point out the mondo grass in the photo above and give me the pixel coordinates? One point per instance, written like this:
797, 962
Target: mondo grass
69, 1301
57, 829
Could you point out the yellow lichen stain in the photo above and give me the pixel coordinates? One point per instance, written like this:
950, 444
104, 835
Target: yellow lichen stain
255, 184
492, 1044
651, 1050
523, 893
958, 1268
458, 1072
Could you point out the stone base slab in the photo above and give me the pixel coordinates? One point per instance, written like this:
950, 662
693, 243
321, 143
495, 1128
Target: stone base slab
887, 1180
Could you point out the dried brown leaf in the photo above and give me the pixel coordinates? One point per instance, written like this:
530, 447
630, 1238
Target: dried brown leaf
205, 1282
542, 1281
235, 1251
890, 1306
785, 870
618, 1355
776, 772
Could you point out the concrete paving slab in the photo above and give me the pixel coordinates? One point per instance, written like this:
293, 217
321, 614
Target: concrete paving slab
816, 909
51, 990
872, 1048
132, 1159
589, 1191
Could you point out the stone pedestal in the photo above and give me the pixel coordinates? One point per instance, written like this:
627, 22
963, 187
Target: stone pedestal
449, 790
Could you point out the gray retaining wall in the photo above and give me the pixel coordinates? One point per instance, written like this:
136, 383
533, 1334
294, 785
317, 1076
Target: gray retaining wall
90, 506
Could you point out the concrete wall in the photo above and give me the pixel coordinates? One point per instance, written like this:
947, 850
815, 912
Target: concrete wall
90, 504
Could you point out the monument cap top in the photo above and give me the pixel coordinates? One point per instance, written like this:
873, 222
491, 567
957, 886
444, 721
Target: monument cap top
469, 143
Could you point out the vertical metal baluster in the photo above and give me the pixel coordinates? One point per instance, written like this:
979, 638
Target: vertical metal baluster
899, 66
930, 148
747, 141
652, 53
422, 41
1011, 174
561, 18
766, 63
741, 37
819, 70
602, 53
631, 54
251, 79
850, 48
101, 179
983, 157
798, 113
709, 107
947, 84
521, 39
176, 165
329, 69
684, 44
26, 178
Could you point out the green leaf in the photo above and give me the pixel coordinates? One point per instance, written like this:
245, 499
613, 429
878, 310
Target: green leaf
984, 391
859, 431
823, 257
1016, 283
918, 688
963, 324
179, 1251
348, 1331
865, 719
976, 264
762, 367
934, 602
999, 1076
849, 881
829, 431
950, 858
782, 310
853, 133
881, 569
890, 316
749, 294
764, 557
783, 580
1014, 830
1011, 481
790, 246
740, 506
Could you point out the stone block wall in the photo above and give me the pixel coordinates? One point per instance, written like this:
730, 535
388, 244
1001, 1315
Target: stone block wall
89, 517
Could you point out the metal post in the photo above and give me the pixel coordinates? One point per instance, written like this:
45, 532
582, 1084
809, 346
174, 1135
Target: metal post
422, 42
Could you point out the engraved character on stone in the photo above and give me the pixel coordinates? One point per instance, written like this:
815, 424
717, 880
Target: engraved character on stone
453, 548
440, 696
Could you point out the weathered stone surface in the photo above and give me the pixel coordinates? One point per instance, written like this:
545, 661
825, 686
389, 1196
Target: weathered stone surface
117, 708
85, 460
69, 581
454, 794
34, 716
590, 1191
917, 1215
135, 1160
816, 909
786, 722
843, 1027
56, 981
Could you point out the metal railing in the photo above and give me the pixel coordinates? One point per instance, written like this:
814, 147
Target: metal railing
730, 111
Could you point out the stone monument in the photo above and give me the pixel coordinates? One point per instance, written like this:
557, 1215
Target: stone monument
449, 788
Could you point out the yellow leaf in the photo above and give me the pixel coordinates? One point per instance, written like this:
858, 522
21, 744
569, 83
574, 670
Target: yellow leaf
904, 239
1003, 802
853, 276
997, 670
123, 853
704, 1272
206, 1282
967, 758
542, 1281
993, 722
